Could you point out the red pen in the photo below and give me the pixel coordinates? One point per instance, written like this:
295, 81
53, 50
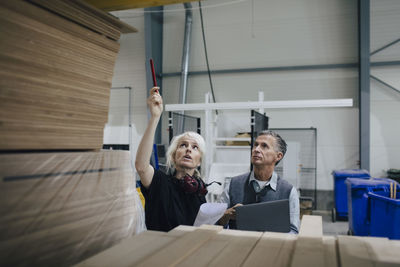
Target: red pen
153, 73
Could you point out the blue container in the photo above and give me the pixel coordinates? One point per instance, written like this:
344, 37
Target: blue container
385, 214
357, 195
340, 188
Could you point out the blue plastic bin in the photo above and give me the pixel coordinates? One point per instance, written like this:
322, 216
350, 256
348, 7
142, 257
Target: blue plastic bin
385, 214
357, 196
340, 189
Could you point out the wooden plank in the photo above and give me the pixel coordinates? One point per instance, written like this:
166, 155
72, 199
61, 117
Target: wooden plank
368, 251
63, 240
331, 257
70, 211
64, 182
56, 63
124, 27
13, 84
47, 51
354, 252
23, 223
45, 225
14, 89
36, 35
17, 164
85, 14
308, 252
102, 16
69, 11
71, 28
273, 249
143, 246
35, 195
384, 252
311, 226
203, 255
129, 4
131, 251
44, 52
210, 227
181, 230
309, 246
179, 249
39, 137
17, 69
238, 247
30, 181
42, 111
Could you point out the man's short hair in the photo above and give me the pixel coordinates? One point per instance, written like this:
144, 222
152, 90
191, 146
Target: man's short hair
281, 145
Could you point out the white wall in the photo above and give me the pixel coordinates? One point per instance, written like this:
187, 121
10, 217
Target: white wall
278, 33
385, 102
266, 33
129, 71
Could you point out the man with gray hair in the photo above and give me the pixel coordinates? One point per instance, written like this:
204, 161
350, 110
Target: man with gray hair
262, 184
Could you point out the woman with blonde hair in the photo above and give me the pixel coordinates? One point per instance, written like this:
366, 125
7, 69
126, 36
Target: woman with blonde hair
172, 198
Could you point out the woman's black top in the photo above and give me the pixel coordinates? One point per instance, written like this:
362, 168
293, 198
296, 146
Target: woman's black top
167, 205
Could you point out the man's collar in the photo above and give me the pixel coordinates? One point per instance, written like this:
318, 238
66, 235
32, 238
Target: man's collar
272, 182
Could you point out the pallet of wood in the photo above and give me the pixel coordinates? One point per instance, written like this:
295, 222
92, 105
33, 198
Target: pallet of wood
58, 209
56, 66
214, 246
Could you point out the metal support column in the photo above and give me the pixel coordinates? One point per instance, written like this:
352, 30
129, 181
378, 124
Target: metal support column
185, 62
364, 81
153, 25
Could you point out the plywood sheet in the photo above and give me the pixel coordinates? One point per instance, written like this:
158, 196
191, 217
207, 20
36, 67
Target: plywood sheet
193, 246
129, 4
60, 208
179, 249
276, 246
55, 74
143, 245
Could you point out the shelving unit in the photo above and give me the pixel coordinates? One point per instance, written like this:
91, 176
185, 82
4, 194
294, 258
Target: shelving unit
209, 127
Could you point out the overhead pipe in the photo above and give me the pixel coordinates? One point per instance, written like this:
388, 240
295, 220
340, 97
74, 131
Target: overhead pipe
185, 61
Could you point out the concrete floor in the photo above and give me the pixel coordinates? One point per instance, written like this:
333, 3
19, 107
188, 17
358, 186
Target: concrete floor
329, 227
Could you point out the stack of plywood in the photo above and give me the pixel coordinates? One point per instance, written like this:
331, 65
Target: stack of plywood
60, 208
213, 246
56, 65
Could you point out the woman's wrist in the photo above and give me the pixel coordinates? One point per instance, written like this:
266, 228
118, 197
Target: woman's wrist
154, 119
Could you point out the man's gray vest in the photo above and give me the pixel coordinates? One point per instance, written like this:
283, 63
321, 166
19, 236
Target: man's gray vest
240, 191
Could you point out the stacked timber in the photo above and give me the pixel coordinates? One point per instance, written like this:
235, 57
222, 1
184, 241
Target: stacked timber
57, 209
56, 65
214, 246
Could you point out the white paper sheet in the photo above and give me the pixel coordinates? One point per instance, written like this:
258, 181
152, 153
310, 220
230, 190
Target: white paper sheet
210, 213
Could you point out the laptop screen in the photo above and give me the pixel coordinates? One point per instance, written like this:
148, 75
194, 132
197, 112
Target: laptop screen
270, 216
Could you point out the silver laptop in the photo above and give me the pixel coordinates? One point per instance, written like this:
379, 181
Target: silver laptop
272, 216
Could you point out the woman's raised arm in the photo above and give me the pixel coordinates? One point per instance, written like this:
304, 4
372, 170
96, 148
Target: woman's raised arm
143, 154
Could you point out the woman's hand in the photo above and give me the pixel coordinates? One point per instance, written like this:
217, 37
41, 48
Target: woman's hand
230, 214
155, 102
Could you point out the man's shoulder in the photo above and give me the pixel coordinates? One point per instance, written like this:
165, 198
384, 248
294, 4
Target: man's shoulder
239, 179
284, 182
